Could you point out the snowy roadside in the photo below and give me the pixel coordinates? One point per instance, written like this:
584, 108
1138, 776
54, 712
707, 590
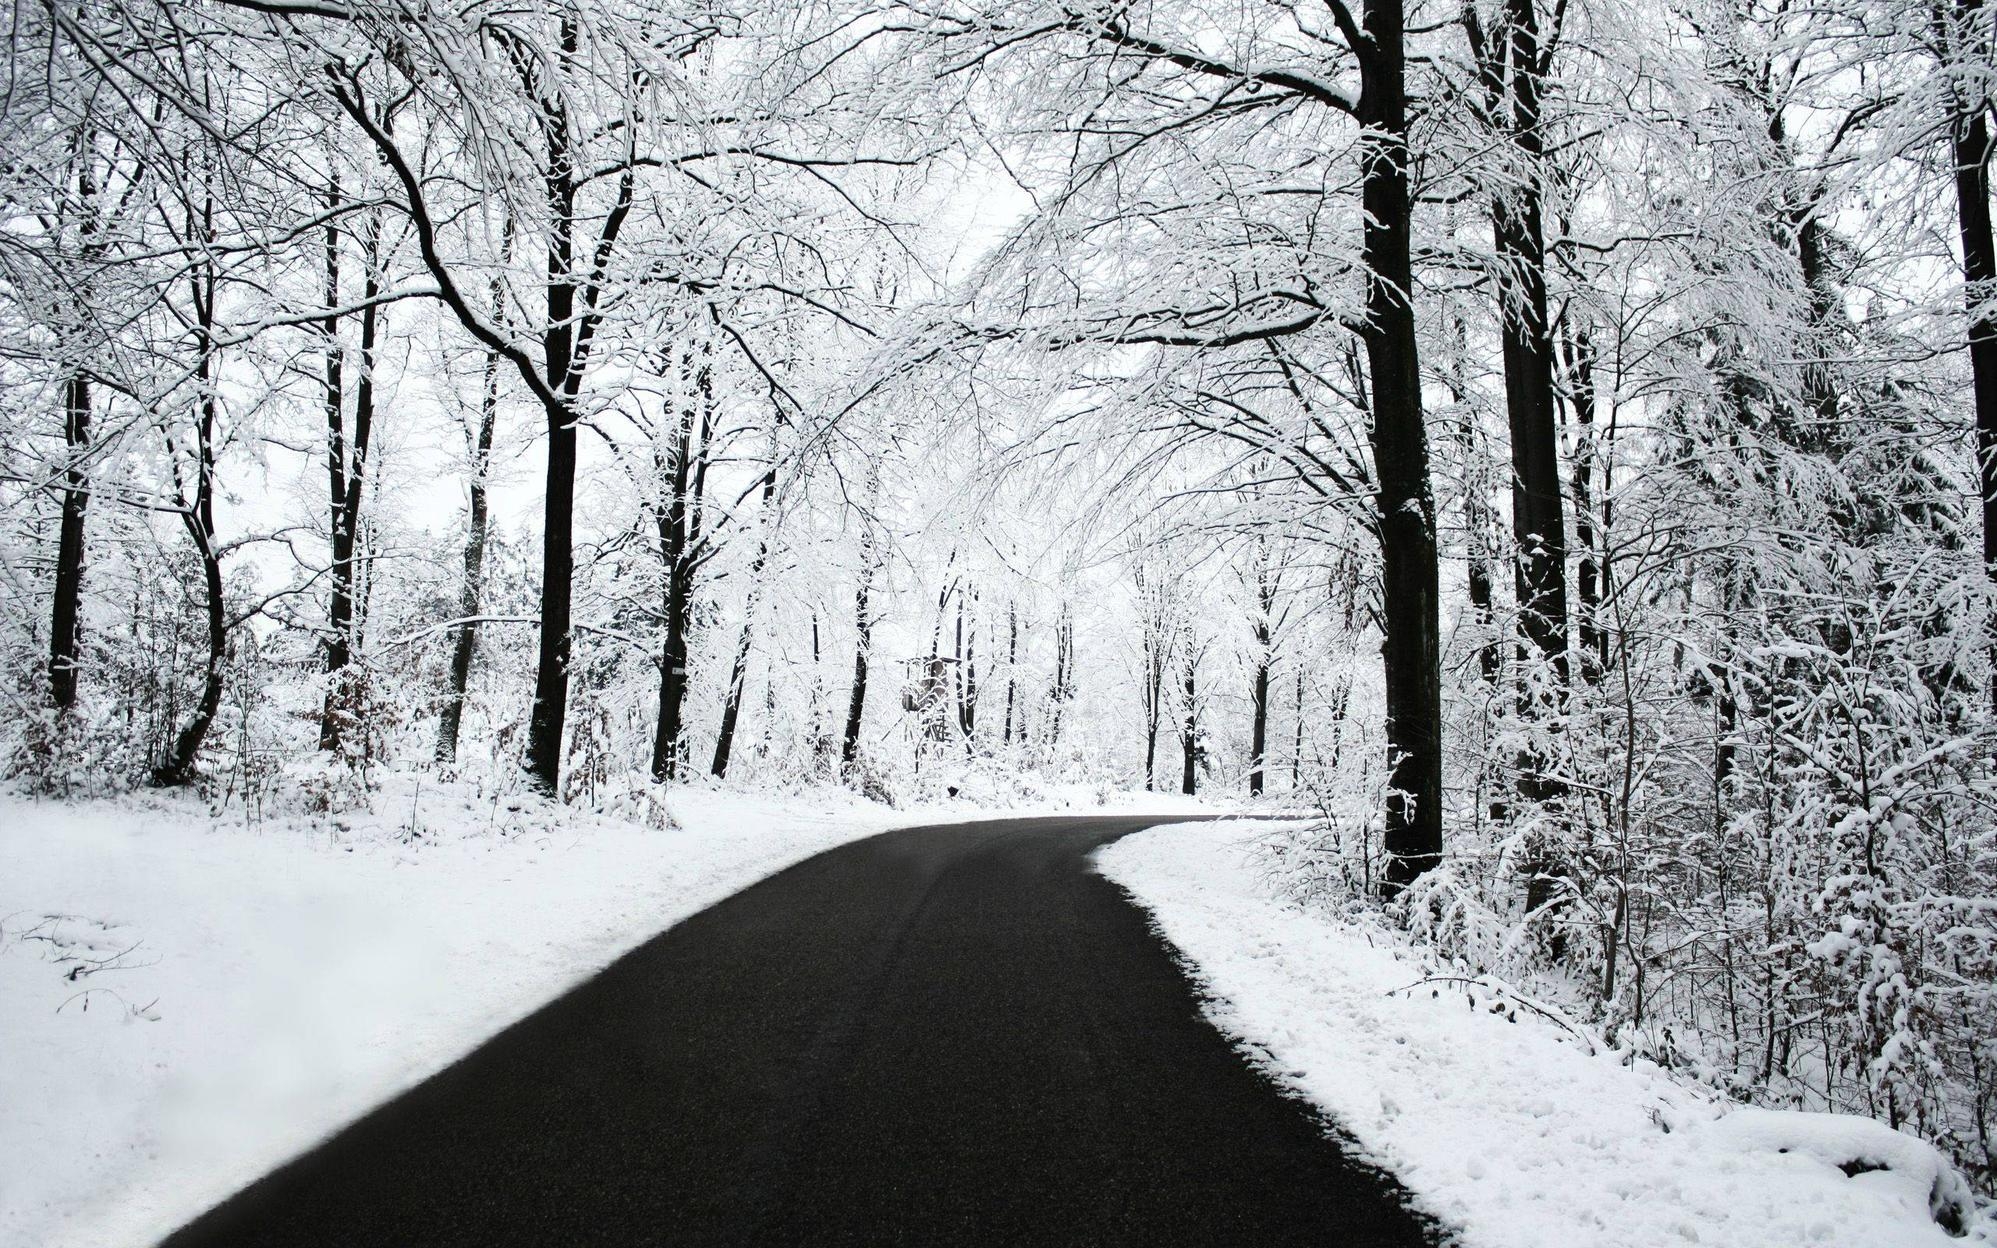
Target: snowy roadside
1508, 1131
262, 986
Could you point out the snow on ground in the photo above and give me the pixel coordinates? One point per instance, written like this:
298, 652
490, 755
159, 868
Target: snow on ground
186, 1001
260, 986
1508, 1130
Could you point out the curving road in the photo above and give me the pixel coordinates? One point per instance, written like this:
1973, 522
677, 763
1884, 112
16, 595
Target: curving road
946, 1035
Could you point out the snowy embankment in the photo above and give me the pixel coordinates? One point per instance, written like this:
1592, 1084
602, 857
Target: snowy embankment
1511, 1131
184, 1002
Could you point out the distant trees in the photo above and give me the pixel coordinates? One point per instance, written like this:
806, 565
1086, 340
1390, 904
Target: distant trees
1227, 111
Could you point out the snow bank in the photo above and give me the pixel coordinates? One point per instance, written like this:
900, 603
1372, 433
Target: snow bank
183, 1005
1501, 1123
1911, 1171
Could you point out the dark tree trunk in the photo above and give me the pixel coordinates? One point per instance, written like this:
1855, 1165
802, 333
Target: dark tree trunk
1476, 520
471, 596
1151, 745
1970, 142
1189, 734
1411, 651
821, 736
198, 517
1513, 67
1594, 639
1154, 705
66, 611
333, 383
1258, 745
66, 623
1011, 665
178, 767
1258, 693
551, 666
1297, 747
967, 676
672, 686
738, 672
683, 474
1338, 708
1266, 585
565, 346
856, 706
346, 461
1064, 671
731, 708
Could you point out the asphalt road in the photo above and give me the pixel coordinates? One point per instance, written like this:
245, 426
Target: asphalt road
947, 1035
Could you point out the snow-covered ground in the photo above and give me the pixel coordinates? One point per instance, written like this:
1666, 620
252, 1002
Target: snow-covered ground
186, 1001
1511, 1131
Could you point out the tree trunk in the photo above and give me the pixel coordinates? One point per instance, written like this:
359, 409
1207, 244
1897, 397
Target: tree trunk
1411, 650
1594, 641
1154, 692
198, 517
1151, 718
1064, 671
738, 672
563, 374
1011, 664
471, 595
66, 623
1970, 141
346, 470
1189, 736
967, 676
551, 667
672, 685
339, 605
1258, 694
1539, 524
1297, 747
856, 706
731, 708
683, 475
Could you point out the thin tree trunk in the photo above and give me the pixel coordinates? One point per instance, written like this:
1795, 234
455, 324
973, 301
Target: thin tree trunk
339, 606
1152, 714
347, 460
679, 525
731, 708
1258, 745
1594, 642
1297, 747
821, 737
738, 672
1339, 705
1064, 671
856, 706
66, 623
198, 517
1266, 585
1189, 736
472, 594
967, 676
1412, 651
1011, 664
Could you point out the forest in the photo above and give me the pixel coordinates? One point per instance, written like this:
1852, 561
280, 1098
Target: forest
1550, 443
